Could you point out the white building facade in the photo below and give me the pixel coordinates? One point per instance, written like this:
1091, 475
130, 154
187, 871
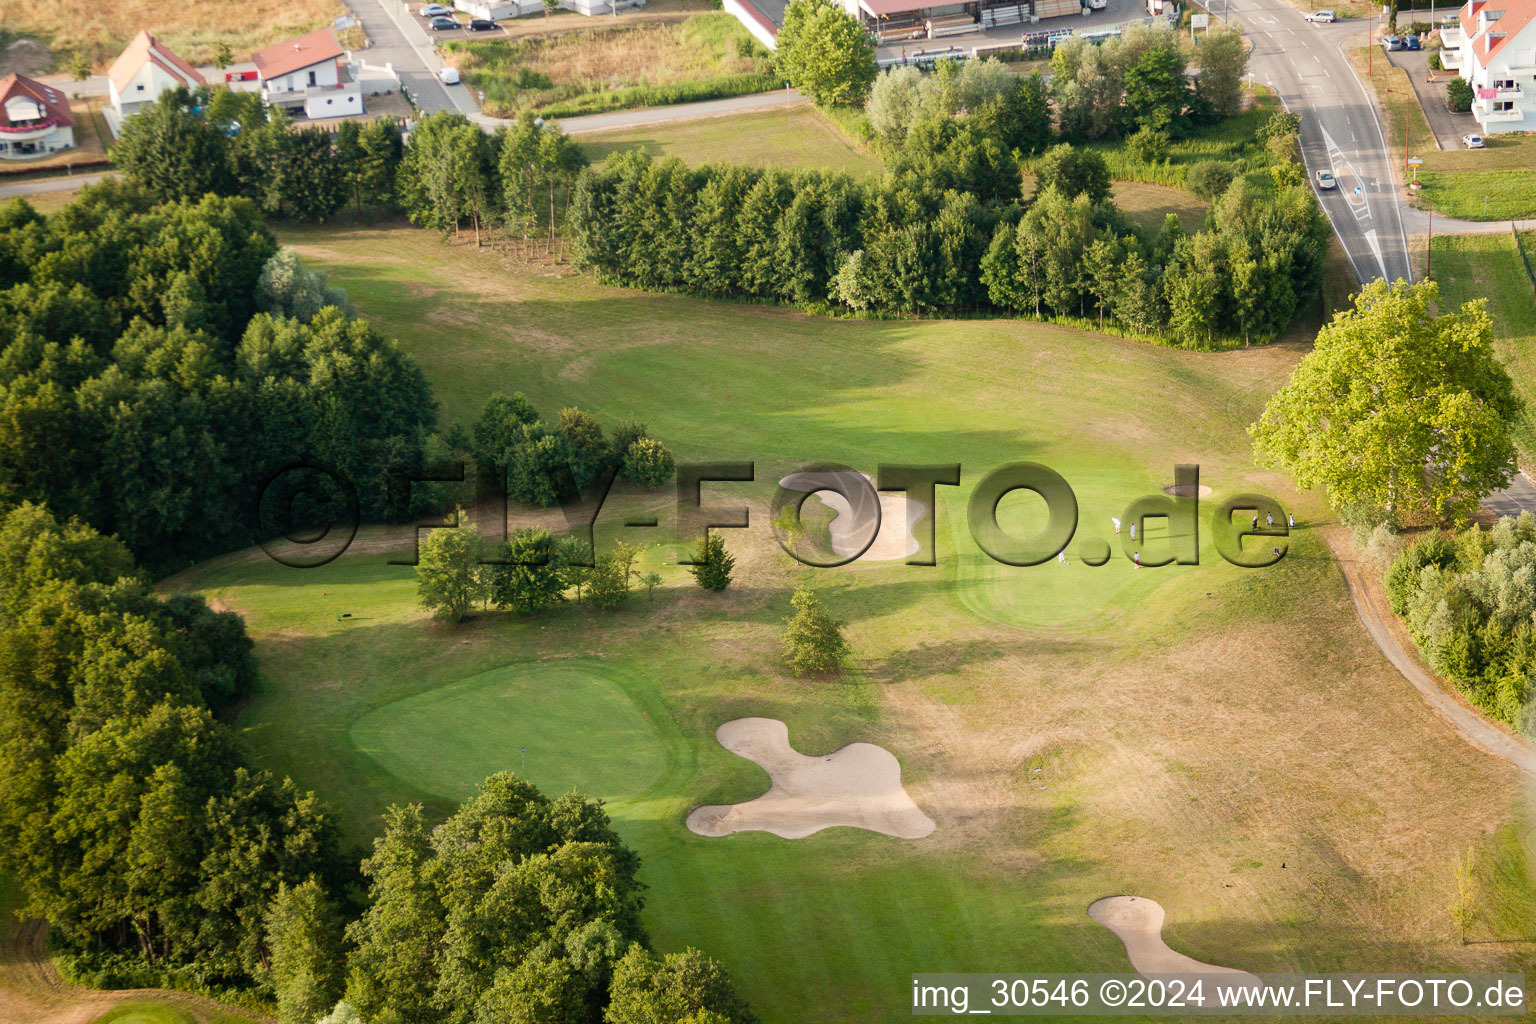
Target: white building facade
35, 119
1492, 45
143, 72
309, 73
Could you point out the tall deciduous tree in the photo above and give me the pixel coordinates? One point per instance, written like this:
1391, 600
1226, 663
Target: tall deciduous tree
449, 579
304, 937
825, 53
1398, 410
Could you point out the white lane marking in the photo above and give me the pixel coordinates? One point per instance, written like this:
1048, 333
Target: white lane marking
1370, 238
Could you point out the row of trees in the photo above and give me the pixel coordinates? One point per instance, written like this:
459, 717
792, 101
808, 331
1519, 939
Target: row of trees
1469, 601
143, 390
533, 571
902, 245
190, 144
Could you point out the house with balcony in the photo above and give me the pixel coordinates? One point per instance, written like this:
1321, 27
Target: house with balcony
144, 71
309, 73
1492, 45
35, 119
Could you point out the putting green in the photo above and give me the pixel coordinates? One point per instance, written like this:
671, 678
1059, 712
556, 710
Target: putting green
579, 727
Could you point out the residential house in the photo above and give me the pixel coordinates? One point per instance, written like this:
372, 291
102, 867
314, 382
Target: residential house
145, 70
309, 73
34, 119
1492, 44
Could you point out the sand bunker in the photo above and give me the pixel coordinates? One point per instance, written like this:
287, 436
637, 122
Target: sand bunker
1185, 491
850, 530
858, 786
1139, 924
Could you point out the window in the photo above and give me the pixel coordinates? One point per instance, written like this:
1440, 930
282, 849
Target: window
141, 87
311, 78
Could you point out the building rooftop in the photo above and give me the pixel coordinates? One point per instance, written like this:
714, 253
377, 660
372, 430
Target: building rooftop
54, 102
145, 49
282, 58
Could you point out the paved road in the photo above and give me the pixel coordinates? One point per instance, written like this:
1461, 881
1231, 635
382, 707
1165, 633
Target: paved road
389, 27
66, 183
1519, 496
1340, 129
681, 111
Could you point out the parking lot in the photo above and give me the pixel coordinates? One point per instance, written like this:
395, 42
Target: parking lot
463, 32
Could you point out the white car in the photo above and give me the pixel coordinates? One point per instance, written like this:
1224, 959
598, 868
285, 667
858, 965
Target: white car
1325, 179
1472, 141
1324, 16
433, 10
449, 76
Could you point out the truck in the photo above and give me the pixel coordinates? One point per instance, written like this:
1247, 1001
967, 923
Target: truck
1157, 7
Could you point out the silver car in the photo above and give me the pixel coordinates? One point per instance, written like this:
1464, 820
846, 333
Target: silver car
1324, 16
1325, 179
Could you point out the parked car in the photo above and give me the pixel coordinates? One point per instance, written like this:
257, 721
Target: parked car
1324, 16
448, 76
1391, 43
1325, 179
1472, 141
1412, 43
444, 25
434, 10
1097, 5
482, 25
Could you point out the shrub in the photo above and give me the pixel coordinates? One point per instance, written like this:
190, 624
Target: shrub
1435, 63
1383, 546
813, 640
1209, 179
1148, 145
1458, 95
648, 462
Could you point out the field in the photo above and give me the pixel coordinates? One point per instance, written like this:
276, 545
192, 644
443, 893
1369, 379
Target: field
194, 31
709, 56
1489, 266
1494, 183
790, 138
1226, 742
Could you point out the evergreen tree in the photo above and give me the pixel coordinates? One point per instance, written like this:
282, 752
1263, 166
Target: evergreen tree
813, 641
712, 563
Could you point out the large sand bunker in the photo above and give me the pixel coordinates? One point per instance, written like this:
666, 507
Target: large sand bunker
858, 786
1185, 491
1139, 924
850, 531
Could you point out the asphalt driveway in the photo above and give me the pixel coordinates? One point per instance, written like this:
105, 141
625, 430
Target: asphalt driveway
1448, 127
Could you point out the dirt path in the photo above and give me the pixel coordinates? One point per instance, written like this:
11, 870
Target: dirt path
1370, 605
31, 991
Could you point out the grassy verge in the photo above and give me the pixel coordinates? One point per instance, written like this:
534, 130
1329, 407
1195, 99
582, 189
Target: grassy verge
1489, 267
708, 56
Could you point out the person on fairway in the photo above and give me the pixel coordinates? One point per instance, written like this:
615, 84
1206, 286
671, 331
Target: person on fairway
1136, 557
1133, 531
1290, 520
1061, 556
1116, 522
1269, 519
1255, 520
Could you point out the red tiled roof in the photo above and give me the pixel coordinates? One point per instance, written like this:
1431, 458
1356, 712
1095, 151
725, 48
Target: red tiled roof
145, 50
316, 48
1514, 15
51, 99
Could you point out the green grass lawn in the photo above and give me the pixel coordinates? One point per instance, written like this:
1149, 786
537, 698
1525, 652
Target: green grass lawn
1489, 267
522, 718
145, 1013
1227, 742
789, 139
